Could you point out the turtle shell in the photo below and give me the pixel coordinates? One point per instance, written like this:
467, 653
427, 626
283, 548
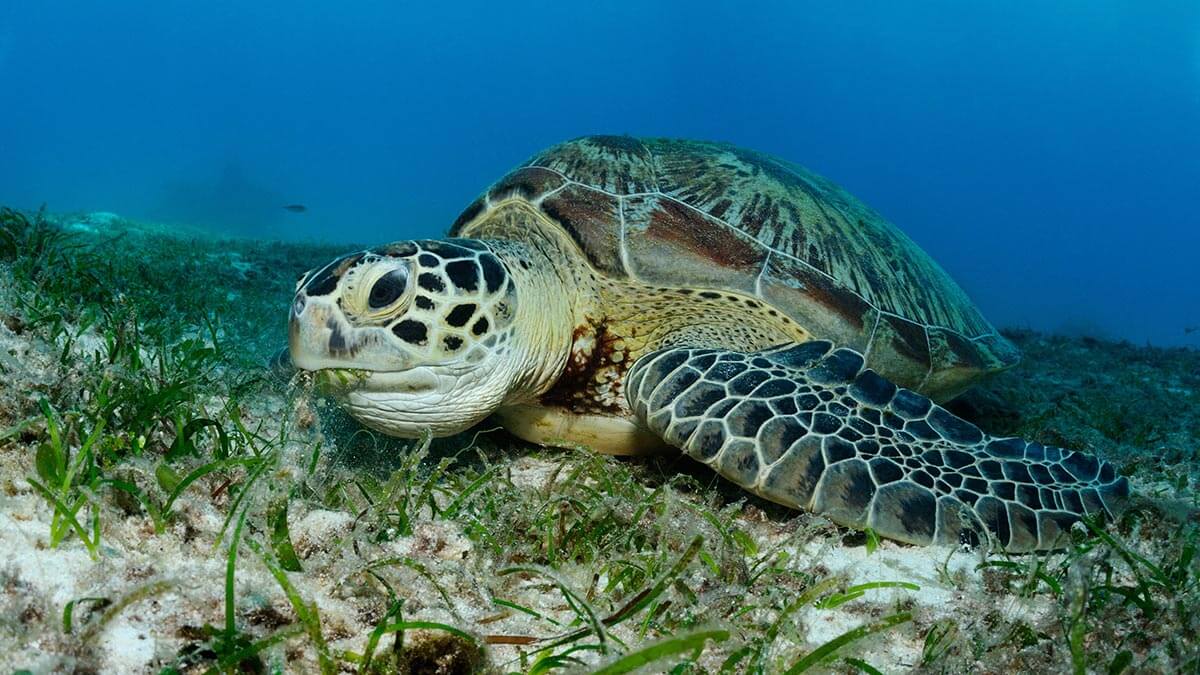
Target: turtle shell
694, 214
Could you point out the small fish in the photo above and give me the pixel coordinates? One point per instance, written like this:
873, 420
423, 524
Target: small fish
296, 208
1188, 330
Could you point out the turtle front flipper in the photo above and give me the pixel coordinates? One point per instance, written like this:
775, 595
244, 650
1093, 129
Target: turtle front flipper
809, 427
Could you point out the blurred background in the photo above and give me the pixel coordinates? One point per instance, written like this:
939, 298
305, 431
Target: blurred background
1047, 154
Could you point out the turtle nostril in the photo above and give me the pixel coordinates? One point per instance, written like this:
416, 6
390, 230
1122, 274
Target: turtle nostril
299, 303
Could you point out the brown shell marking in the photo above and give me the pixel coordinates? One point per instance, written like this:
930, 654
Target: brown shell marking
667, 242
953, 358
833, 311
587, 215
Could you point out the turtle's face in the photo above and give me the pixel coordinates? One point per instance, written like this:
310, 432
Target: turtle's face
413, 336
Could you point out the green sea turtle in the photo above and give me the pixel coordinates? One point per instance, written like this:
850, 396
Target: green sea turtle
629, 295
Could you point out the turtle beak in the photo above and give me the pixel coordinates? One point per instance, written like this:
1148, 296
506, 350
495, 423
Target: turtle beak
320, 337
311, 329
318, 334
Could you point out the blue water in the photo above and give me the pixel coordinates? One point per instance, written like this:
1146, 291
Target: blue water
1047, 154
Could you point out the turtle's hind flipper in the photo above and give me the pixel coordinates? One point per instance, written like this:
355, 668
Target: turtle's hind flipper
809, 427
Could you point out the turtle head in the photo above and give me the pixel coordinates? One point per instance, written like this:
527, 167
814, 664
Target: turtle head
411, 336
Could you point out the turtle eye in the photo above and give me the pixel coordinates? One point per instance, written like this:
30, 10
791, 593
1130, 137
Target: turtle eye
387, 289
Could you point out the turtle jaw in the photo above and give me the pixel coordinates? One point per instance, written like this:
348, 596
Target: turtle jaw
346, 358
321, 339
341, 382
439, 400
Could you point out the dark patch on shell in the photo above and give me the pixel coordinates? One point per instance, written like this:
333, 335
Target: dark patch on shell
790, 283
626, 144
588, 216
617, 164
469, 214
688, 229
528, 182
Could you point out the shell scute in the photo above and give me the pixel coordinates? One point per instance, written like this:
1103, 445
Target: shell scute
831, 310
802, 215
952, 356
667, 242
587, 216
900, 349
620, 165
529, 182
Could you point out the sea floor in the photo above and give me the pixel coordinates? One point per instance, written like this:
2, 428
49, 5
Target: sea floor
170, 504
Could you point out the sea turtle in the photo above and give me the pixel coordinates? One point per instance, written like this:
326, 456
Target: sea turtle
629, 295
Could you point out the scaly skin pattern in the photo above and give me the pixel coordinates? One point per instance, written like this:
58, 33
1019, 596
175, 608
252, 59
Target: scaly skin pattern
436, 331
810, 427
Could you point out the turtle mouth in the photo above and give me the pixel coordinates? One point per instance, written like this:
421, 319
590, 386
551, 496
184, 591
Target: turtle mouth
339, 380
412, 380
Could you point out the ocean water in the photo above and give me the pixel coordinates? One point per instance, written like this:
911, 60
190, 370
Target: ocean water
175, 501
1047, 154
